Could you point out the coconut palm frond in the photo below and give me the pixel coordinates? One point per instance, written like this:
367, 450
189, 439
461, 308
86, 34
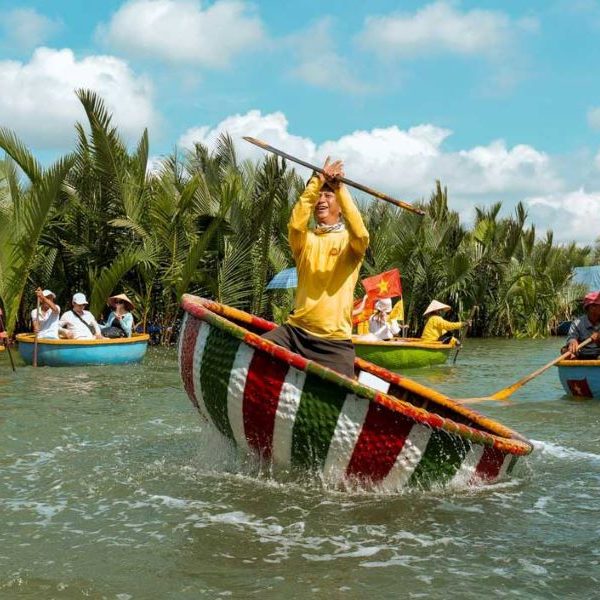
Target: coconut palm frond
17, 150
103, 284
235, 274
31, 213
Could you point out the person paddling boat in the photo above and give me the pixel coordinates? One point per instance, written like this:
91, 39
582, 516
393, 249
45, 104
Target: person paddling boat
585, 327
437, 328
45, 323
328, 260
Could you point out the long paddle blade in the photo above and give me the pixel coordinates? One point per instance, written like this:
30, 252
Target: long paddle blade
504, 393
354, 184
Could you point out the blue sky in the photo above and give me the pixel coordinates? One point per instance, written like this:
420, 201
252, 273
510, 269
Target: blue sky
499, 99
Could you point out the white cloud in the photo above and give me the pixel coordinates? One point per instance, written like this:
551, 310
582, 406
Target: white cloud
39, 104
440, 28
593, 117
574, 216
272, 128
26, 28
183, 31
403, 162
406, 162
319, 64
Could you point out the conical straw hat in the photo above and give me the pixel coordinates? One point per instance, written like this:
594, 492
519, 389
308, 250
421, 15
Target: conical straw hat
128, 302
435, 305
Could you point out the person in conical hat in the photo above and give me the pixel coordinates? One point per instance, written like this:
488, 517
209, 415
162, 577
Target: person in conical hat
120, 320
437, 328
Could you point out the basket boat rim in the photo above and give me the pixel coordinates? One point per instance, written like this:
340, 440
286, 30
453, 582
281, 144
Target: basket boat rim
501, 437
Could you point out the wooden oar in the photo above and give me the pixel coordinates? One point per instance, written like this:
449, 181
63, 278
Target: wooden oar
504, 393
6, 345
37, 330
354, 184
461, 336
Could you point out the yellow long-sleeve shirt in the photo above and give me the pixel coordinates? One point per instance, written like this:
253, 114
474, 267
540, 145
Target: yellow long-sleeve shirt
328, 265
436, 326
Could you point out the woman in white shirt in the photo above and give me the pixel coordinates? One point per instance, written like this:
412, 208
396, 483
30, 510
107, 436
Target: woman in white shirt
379, 324
45, 324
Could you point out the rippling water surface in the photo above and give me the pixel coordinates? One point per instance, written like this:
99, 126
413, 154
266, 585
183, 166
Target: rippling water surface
111, 487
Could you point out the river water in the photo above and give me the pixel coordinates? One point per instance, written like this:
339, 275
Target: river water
111, 487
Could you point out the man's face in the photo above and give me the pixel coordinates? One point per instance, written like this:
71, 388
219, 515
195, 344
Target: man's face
327, 209
78, 308
593, 313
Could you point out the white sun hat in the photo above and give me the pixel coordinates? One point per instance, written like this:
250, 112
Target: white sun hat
384, 305
435, 306
79, 298
47, 293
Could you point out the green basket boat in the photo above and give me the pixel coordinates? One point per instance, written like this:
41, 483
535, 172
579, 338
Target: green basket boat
382, 430
405, 353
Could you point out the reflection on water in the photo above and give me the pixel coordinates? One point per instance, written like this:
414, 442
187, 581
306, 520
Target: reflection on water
112, 487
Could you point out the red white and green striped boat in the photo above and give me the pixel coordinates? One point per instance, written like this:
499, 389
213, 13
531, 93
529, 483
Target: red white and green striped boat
297, 414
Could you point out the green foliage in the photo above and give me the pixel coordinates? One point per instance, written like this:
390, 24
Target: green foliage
512, 283
99, 221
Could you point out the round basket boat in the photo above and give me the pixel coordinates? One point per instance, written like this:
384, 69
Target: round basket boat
406, 353
69, 353
580, 378
381, 429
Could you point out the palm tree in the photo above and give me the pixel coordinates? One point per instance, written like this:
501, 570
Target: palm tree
26, 209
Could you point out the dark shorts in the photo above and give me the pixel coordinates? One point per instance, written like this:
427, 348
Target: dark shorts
446, 338
335, 354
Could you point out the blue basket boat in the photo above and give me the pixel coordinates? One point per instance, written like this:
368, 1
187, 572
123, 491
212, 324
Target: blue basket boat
71, 353
580, 378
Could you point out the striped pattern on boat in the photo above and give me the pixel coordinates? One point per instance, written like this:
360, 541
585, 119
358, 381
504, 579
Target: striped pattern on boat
298, 420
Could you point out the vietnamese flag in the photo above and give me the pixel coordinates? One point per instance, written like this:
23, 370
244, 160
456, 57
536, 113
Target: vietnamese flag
365, 313
384, 285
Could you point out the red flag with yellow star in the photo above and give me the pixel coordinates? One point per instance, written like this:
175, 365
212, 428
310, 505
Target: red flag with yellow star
384, 285
361, 315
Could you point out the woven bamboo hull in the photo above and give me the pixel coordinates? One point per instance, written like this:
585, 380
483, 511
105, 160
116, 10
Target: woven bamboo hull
403, 354
70, 353
580, 378
296, 414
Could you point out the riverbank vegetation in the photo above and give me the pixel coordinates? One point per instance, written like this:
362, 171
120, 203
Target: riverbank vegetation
100, 221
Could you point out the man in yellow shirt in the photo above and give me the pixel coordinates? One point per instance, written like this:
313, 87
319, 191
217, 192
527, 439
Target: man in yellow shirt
328, 260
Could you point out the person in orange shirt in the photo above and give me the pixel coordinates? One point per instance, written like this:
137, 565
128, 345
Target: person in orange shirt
328, 259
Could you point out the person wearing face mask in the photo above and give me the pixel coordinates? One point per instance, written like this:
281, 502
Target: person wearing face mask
120, 320
380, 324
328, 259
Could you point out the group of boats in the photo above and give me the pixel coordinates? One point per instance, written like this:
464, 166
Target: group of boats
380, 429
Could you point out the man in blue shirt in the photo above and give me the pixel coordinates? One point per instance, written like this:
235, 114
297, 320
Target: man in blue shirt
584, 327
